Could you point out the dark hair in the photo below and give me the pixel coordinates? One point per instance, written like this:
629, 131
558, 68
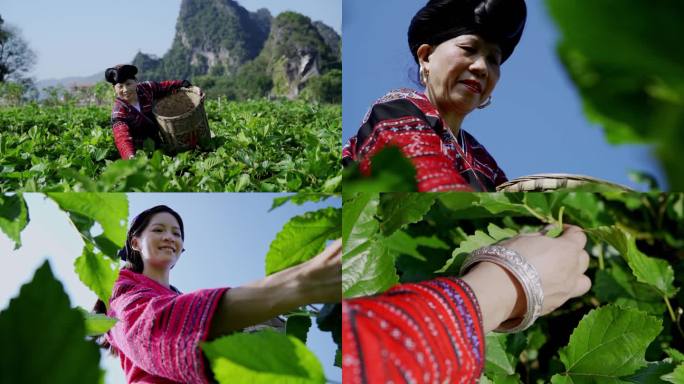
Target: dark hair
498, 21
131, 257
120, 73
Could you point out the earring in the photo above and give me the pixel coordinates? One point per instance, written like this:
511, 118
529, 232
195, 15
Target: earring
424, 73
486, 103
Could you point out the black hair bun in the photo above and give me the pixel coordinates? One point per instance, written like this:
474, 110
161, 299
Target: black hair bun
499, 21
120, 73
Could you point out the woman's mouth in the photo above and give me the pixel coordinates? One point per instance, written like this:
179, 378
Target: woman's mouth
472, 85
167, 248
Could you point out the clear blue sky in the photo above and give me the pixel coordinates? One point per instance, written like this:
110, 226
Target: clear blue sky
83, 37
226, 239
535, 123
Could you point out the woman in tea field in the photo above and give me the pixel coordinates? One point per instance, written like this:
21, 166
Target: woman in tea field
132, 118
159, 328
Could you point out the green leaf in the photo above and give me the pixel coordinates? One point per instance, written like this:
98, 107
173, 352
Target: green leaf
503, 203
110, 210
240, 358
96, 323
298, 326
13, 217
403, 243
655, 272
676, 356
368, 269
475, 241
42, 339
607, 344
391, 172
299, 199
329, 319
617, 285
499, 361
651, 373
97, 272
676, 377
367, 263
302, 238
400, 209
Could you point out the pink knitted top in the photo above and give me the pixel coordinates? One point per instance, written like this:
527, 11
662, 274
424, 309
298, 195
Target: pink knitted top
159, 330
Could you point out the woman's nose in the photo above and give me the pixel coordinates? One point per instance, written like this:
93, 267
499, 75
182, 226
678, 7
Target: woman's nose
479, 67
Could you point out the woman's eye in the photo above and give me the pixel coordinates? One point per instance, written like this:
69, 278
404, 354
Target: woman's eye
468, 48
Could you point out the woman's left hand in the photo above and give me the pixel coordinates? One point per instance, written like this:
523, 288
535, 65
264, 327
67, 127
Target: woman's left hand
321, 277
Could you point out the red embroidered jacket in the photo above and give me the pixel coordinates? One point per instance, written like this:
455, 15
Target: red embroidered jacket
130, 126
429, 332
158, 333
405, 118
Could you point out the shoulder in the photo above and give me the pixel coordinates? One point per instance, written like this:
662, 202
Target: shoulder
119, 109
399, 103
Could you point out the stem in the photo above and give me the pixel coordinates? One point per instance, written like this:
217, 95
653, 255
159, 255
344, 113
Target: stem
549, 219
669, 308
602, 266
679, 318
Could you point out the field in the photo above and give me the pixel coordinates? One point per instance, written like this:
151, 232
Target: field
257, 146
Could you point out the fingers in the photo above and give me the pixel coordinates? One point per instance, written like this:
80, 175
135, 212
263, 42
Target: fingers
583, 286
333, 250
575, 234
584, 261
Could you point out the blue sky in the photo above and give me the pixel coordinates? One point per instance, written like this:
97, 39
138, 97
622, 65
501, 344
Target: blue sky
535, 123
83, 37
227, 237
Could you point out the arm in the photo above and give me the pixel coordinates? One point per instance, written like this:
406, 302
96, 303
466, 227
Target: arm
400, 123
122, 139
315, 281
163, 88
430, 332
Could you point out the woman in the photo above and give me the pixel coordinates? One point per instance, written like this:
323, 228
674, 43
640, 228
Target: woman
458, 46
132, 118
433, 332
159, 328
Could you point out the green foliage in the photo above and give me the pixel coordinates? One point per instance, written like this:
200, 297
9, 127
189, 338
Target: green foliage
302, 238
97, 272
609, 342
634, 85
13, 217
677, 376
326, 88
96, 323
33, 352
637, 265
288, 361
298, 326
391, 172
258, 146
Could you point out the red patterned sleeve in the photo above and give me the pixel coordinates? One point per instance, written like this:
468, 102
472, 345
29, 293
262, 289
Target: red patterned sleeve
122, 139
429, 332
163, 88
402, 124
160, 333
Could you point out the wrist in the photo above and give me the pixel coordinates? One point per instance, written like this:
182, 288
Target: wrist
498, 292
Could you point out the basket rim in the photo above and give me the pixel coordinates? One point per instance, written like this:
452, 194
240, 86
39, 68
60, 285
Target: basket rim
184, 115
583, 178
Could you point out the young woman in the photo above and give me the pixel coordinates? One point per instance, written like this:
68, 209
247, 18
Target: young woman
160, 328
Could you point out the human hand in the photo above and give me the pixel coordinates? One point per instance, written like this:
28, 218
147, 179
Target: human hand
561, 263
321, 277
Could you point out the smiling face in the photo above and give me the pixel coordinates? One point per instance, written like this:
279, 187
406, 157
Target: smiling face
462, 72
160, 243
126, 90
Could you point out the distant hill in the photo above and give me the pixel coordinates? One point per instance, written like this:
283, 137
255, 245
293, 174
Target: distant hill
237, 48
67, 82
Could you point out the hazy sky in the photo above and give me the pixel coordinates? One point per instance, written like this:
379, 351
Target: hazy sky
535, 123
84, 37
227, 237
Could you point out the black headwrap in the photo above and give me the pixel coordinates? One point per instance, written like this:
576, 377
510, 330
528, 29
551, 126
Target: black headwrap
120, 73
140, 222
498, 21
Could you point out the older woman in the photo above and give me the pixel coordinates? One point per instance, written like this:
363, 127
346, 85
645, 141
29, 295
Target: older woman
459, 46
132, 118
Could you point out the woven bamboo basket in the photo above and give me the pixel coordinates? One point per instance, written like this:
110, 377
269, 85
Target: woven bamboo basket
552, 181
182, 120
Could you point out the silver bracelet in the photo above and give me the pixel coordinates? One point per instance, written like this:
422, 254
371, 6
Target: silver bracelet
526, 274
